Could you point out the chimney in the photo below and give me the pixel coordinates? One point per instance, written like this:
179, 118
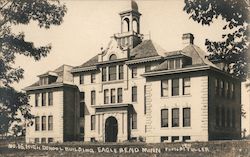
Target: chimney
187, 39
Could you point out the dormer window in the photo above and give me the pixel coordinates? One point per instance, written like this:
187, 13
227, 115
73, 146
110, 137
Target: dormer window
92, 78
44, 80
147, 68
48, 78
112, 57
175, 63
171, 64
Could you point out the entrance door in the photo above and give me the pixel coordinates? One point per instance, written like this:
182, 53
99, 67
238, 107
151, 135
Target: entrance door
111, 129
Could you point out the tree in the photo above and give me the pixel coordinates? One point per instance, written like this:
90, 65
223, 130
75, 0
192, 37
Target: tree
232, 50
16, 12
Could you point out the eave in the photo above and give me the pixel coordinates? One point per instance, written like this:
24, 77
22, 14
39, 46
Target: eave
143, 60
84, 69
175, 71
112, 61
49, 86
187, 69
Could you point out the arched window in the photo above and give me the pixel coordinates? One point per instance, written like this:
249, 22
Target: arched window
135, 26
112, 57
125, 25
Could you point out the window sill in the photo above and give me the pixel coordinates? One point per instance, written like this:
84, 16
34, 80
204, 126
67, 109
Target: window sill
165, 128
43, 106
187, 127
177, 96
113, 81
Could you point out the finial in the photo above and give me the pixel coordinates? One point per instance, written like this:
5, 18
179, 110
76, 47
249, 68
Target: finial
134, 5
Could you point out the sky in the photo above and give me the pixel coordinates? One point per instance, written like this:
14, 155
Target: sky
88, 26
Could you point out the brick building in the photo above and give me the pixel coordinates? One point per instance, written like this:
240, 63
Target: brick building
134, 89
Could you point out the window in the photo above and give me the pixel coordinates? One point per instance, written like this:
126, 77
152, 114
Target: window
93, 96
106, 96
145, 99
171, 64
82, 96
175, 87
217, 116
112, 57
221, 88
134, 72
232, 91
81, 109
120, 72
186, 86
222, 83
112, 95
164, 118
50, 122
36, 99
228, 118
50, 98
134, 94
223, 117
186, 117
92, 122
119, 95
43, 80
175, 117
226, 89
50, 140
216, 86
177, 63
92, 139
81, 79
36, 140
164, 88
104, 74
185, 138
43, 140
147, 68
92, 78
37, 123
43, 99
134, 120
175, 138
233, 118
43, 122
164, 138
81, 130
112, 73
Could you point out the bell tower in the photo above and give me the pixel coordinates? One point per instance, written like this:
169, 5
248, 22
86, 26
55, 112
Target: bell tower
130, 36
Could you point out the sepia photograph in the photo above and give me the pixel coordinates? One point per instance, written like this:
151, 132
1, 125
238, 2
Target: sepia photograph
103, 78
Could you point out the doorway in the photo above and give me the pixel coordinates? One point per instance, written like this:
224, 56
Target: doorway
111, 129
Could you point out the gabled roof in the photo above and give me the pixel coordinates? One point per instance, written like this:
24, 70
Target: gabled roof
63, 76
197, 54
198, 57
90, 62
144, 50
